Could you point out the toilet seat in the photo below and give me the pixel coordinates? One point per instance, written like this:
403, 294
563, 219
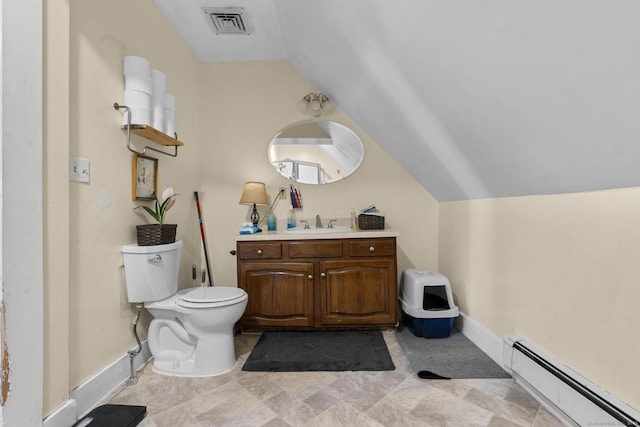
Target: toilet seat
211, 296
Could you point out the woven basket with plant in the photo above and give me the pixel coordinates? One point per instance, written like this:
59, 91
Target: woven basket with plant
158, 233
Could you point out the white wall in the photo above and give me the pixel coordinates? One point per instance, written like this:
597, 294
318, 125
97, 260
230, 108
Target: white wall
22, 209
102, 214
87, 316
56, 201
560, 271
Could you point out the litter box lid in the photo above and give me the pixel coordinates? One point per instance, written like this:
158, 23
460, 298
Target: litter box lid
429, 314
424, 277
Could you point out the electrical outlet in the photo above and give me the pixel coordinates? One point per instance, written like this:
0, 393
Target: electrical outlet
79, 170
283, 193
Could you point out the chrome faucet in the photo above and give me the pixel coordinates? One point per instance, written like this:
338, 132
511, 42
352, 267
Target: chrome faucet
318, 222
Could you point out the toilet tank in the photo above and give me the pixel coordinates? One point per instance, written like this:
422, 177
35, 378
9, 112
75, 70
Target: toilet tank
151, 272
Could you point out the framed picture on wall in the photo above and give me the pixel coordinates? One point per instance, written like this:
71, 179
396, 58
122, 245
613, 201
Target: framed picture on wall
145, 178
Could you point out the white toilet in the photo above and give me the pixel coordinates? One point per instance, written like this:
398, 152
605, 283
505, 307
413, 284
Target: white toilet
191, 333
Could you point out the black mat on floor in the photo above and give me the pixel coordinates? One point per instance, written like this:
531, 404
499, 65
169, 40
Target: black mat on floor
297, 351
453, 357
113, 415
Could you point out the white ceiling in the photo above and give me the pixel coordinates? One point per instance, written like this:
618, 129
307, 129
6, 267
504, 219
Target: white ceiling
475, 99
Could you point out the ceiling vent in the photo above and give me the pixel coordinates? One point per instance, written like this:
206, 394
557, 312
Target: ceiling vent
228, 20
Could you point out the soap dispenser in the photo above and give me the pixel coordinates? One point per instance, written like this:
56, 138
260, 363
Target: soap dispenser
271, 222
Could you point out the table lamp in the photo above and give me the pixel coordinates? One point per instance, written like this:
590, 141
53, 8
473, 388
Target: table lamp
254, 193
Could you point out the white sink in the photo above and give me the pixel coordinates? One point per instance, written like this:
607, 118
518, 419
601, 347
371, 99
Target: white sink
312, 230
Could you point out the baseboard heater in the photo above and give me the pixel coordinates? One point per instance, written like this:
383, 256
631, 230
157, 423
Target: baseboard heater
565, 392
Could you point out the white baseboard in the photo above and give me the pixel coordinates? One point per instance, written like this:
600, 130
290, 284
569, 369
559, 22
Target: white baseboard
92, 392
64, 416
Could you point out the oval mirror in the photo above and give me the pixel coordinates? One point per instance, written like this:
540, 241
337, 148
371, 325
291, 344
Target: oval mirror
316, 152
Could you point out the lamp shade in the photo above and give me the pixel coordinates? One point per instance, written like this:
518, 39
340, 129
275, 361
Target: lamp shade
254, 192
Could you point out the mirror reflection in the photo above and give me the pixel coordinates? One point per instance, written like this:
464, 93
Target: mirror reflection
316, 152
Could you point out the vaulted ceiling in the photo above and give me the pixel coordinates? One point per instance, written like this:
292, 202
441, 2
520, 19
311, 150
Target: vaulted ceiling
476, 99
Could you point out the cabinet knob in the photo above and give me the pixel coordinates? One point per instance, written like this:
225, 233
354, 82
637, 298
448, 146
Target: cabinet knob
323, 275
372, 249
310, 277
259, 251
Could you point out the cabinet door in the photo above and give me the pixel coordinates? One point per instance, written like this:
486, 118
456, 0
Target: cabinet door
357, 292
280, 294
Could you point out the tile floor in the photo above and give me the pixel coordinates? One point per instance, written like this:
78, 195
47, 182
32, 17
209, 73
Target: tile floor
389, 398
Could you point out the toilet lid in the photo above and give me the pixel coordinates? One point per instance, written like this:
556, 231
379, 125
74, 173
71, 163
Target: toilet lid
211, 296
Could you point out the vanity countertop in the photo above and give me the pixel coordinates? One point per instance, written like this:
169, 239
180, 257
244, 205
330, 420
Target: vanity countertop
284, 235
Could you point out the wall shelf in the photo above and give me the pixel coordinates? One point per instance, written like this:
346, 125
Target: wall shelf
149, 133
154, 135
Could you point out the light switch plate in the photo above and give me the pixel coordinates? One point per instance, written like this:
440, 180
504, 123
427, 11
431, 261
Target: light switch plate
79, 170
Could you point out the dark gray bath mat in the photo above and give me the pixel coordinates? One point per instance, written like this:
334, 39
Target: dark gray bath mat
453, 357
297, 351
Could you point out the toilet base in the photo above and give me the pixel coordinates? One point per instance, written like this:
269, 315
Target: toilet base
184, 369
193, 341
210, 357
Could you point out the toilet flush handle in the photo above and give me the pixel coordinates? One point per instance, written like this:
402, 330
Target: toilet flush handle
156, 258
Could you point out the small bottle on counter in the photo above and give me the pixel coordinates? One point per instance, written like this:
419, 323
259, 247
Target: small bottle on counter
271, 222
291, 219
354, 223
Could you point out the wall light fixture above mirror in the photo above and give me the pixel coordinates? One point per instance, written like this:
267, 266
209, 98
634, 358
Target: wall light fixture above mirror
315, 104
316, 152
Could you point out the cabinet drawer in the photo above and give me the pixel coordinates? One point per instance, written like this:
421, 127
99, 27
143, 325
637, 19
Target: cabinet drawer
262, 250
372, 247
315, 249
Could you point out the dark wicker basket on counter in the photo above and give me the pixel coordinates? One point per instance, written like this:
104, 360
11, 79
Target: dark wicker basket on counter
156, 234
370, 222
149, 234
168, 233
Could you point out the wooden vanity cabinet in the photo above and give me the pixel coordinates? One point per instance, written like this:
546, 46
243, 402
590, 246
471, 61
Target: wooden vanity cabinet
280, 293
356, 292
324, 283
